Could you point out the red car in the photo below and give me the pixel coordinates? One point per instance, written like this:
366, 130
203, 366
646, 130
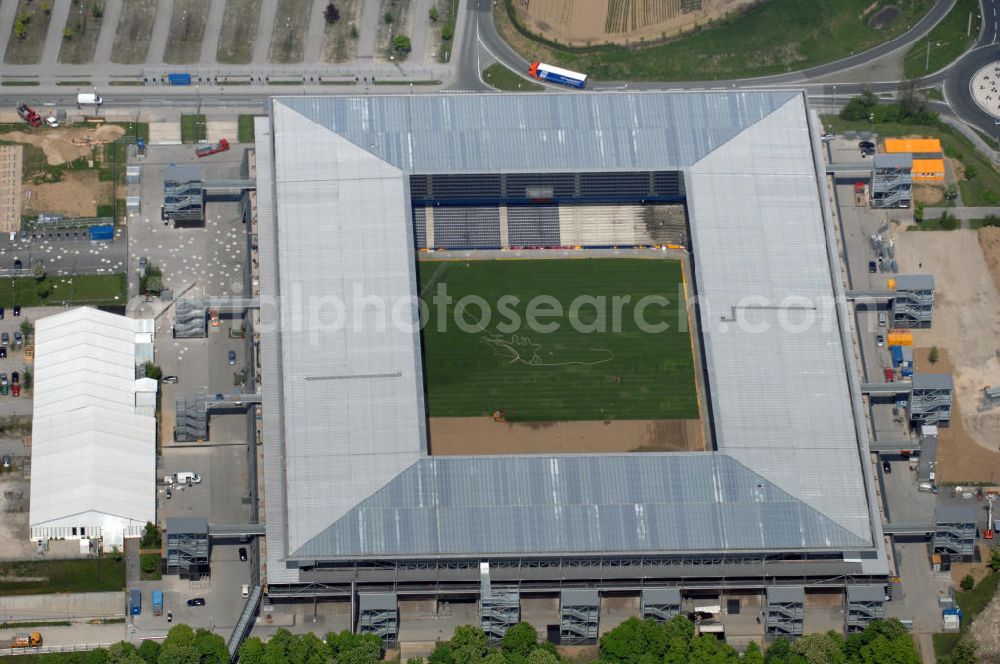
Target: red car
890, 375
15, 390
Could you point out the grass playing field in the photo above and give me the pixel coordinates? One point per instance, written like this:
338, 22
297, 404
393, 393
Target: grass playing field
601, 372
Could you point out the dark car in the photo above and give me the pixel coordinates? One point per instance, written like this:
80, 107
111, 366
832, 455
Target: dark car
169, 379
886, 468
866, 145
197, 601
3, 352
17, 310
15, 377
1, 313
872, 266
243, 554
17, 264
232, 357
170, 616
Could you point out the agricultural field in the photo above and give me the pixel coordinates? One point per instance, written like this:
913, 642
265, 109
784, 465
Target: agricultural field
239, 32
187, 27
586, 369
80, 36
340, 38
291, 23
135, 29
27, 38
764, 38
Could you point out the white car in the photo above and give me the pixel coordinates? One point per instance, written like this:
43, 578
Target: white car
245, 590
51, 121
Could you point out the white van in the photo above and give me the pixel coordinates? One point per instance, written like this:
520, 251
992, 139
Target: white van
89, 99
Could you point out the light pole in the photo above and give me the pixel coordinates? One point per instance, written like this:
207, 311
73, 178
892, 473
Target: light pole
197, 92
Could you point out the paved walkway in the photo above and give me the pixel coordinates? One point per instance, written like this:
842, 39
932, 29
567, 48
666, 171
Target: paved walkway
109, 28
317, 28
161, 30
132, 562
8, 10
420, 25
53, 38
961, 213
268, 10
61, 606
213, 28
367, 29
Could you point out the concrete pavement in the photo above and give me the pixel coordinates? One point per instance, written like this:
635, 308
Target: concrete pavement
420, 25
265, 28
61, 606
161, 30
109, 28
367, 29
317, 28
53, 38
961, 213
8, 11
213, 28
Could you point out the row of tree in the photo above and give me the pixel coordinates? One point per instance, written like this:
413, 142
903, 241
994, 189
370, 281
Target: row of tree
183, 645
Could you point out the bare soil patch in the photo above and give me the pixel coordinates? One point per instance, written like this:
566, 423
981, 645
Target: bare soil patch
884, 17
239, 32
187, 28
928, 195
585, 22
64, 145
481, 435
291, 23
967, 332
28, 50
77, 195
135, 29
79, 46
339, 40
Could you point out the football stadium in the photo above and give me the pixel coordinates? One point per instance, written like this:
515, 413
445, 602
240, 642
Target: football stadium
424, 437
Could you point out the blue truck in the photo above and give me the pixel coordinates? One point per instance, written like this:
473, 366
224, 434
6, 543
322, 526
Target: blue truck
157, 603
179, 79
554, 74
134, 602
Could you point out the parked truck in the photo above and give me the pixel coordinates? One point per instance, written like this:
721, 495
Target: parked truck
157, 603
29, 115
89, 99
212, 148
183, 477
23, 640
134, 602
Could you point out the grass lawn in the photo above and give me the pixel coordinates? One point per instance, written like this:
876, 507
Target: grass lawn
95, 289
245, 129
981, 184
187, 27
502, 78
149, 561
193, 128
135, 29
28, 50
770, 38
239, 31
971, 602
563, 374
82, 29
63, 576
947, 39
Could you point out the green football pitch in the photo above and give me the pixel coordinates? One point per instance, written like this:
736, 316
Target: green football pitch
601, 359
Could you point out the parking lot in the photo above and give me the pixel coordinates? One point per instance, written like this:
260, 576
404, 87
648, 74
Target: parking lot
62, 252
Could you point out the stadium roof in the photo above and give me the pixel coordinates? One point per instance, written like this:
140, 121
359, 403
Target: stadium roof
347, 473
91, 451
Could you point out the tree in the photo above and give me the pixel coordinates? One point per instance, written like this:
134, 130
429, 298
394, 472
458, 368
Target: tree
753, 654
348, 648
178, 636
433, 13
46, 8
414, 660
124, 653
633, 639
38, 270
149, 650
448, 30
151, 370
948, 222
68, 33
964, 653
308, 649
387, 17
994, 563
968, 581
820, 648
96, 10
519, 640
27, 327
441, 654
331, 13
860, 107
98, 656
181, 654
252, 651
211, 647
468, 645
542, 656
26, 379
401, 44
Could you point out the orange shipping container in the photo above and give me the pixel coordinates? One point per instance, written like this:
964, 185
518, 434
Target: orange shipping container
915, 145
900, 339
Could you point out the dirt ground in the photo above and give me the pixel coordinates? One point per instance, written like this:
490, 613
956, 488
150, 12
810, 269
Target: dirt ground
583, 22
76, 196
338, 44
966, 330
187, 27
135, 29
239, 31
928, 195
57, 144
452, 436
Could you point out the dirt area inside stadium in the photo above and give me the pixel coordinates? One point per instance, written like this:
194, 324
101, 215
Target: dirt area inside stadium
459, 436
586, 22
966, 269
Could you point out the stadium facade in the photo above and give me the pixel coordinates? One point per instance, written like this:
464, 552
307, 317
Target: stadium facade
354, 502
